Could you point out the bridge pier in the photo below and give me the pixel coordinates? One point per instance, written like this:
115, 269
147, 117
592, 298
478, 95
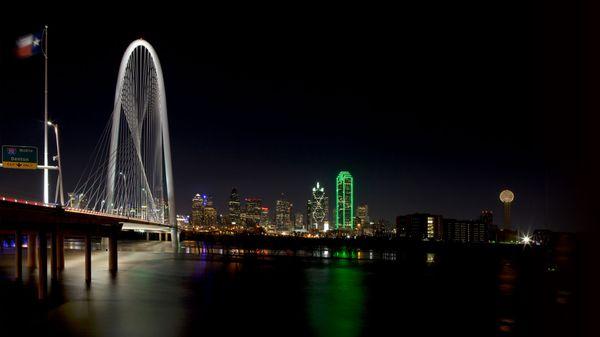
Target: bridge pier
61, 250
112, 251
43, 265
54, 255
31, 238
88, 259
18, 255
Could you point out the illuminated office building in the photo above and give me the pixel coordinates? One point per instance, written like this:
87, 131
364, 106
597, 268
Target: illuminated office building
197, 210
253, 210
283, 215
234, 207
299, 222
264, 217
317, 208
344, 201
362, 213
420, 226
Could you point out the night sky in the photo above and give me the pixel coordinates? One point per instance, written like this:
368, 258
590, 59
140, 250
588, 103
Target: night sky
431, 108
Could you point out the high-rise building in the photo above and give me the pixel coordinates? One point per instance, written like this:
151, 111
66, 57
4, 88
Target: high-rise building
204, 214
264, 217
465, 231
197, 211
362, 213
344, 201
234, 207
183, 222
420, 226
317, 208
210, 216
283, 212
253, 210
299, 222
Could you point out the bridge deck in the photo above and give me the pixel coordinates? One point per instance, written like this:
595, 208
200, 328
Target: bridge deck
15, 213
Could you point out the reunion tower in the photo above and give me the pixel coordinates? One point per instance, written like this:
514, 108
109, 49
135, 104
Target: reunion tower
507, 197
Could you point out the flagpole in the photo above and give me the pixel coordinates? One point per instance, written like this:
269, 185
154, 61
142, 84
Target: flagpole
46, 183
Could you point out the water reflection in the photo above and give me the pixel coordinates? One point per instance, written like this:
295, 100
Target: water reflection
463, 292
343, 253
507, 278
335, 300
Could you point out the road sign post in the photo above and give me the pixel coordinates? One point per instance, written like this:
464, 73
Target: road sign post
20, 157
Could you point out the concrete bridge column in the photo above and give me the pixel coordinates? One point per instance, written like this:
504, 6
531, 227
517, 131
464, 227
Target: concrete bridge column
54, 255
18, 255
88, 259
112, 251
31, 238
42, 265
61, 250
147, 236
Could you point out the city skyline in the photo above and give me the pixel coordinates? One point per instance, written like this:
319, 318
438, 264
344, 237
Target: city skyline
268, 131
253, 208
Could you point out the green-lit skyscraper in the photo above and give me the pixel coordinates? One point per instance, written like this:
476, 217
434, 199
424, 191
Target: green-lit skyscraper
344, 201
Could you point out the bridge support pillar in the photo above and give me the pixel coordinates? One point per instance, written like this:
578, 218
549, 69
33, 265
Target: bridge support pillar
61, 250
147, 236
18, 255
31, 250
54, 256
42, 265
88, 259
175, 239
112, 251
159, 236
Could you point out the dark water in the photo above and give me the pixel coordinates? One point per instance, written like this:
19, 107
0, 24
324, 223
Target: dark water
464, 292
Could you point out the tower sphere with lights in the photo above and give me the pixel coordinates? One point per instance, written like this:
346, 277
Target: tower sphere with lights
507, 197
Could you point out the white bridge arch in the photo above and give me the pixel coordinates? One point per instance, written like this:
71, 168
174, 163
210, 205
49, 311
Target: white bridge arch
135, 178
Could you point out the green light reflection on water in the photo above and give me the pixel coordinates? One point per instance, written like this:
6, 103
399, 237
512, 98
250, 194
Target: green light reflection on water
336, 300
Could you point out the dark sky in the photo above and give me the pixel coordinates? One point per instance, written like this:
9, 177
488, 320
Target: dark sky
433, 107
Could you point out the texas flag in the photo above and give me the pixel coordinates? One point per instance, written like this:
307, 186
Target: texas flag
29, 45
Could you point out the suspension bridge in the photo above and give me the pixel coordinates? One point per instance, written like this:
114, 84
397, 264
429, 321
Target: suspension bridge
127, 183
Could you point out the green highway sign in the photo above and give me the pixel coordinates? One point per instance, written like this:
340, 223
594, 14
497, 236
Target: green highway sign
20, 157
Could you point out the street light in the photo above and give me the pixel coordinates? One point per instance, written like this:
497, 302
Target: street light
59, 183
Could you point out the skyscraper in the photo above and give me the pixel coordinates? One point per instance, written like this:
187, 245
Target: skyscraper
362, 213
299, 222
283, 215
210, 216
264, 217
344, 201
317, 208
234, 207
253, 209
197, 210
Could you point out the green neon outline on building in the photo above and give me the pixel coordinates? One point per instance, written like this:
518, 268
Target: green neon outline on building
341, 219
